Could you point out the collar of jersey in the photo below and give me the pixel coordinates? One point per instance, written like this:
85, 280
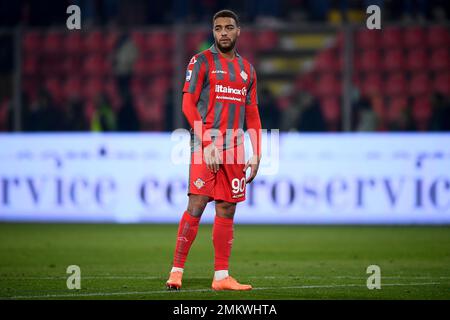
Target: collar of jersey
213, 49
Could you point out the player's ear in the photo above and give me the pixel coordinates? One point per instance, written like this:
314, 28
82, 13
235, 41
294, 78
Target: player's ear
238, 31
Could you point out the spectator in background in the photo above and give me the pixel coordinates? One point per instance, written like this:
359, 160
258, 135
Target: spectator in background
103, 118
5, 115
402, 120
440, 119
268, 110
124, 58
42, 114
365, 117
75, 117
304, 114
127, 119
311, 116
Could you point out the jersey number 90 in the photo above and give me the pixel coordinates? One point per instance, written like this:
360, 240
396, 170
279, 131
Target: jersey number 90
238, 185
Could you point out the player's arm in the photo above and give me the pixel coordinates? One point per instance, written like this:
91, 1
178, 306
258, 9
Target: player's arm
195, 76
253, 123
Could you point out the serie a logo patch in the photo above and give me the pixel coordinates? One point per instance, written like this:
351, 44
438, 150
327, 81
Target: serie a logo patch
188, 75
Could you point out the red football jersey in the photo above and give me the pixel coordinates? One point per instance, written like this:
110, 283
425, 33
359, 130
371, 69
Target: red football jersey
222, 89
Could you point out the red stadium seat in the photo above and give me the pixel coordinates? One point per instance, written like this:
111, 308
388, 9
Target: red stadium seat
393, 60
422, 112
250, 55
339, 40
194, 41
94, 42
328, 60
138, 86
368, 60
170, 41
440, 60
72, 87
150, 113
30, 86
414, 37
372, 84
54, 87
391, 37
71, 65
138, 38
246, 41
142, 67
331, 111
368, 39
4, 112
420, 84
73, 43
441, 83
328, 85
51, 65
155, 41
159, 63
396, 108
92, 88
266, 40
30, 65
96, 65
395, 84
417, 59
53, 42
438, 36
111, 39
32, 42
158, 87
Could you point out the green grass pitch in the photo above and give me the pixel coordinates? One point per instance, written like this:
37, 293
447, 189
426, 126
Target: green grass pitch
281, 262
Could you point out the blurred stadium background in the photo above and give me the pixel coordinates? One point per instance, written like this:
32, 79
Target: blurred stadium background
358, 110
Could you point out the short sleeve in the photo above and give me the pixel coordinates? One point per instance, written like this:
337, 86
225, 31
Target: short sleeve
195, 75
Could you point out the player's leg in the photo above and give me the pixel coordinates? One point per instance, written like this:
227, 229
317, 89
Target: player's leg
200, 191
187, 231
223, 240
230, 189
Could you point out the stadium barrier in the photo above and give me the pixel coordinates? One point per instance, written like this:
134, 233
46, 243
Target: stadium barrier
305, 179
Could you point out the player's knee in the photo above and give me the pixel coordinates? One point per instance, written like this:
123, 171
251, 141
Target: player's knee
197, 205
225, 210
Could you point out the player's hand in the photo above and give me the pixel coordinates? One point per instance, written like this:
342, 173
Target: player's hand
212, 157
253, 163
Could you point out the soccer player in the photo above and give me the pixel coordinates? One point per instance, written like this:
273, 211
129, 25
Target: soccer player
218, 95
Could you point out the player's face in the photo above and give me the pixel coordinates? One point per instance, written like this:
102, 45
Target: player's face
225, 33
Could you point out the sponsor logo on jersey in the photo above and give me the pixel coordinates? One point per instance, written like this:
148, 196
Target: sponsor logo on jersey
244, 75
188, 75
227, 89
199, 183
218, 71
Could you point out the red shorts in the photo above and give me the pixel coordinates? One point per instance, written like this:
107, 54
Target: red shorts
228, 184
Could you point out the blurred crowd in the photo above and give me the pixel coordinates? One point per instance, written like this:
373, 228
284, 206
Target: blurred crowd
135, 92
144, 12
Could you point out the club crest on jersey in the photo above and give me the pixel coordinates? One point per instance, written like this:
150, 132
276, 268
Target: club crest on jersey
188, 75
199, 183
244, 75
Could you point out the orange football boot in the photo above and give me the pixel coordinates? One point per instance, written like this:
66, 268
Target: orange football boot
229, 283
174, 282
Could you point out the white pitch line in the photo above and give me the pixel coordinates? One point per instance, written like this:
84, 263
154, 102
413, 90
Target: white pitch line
102, 294
251, 277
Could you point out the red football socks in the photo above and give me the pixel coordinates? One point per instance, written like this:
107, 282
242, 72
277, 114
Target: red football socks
222, 239
187, 231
